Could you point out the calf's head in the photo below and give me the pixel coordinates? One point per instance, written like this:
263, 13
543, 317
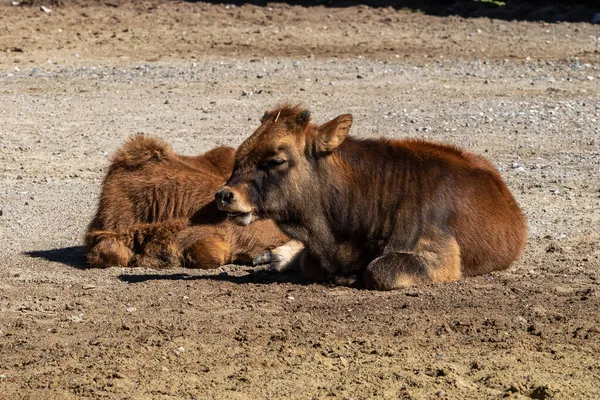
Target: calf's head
276, 167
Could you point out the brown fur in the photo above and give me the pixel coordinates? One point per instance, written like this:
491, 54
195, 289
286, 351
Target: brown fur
156, 210
390, 212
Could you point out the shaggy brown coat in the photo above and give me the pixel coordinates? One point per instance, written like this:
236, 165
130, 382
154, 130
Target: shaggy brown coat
389, 213
157, 210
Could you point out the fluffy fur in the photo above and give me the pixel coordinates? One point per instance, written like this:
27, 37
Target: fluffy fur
157, 210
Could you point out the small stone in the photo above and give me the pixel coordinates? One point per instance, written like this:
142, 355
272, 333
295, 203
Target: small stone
180, 349
1, 213
89, 286
3, 376
512, 389
586, 293
167, 101
45, 9
290, 298
554, 248
541, 393
165, 369
476, 365
534, 330
360, 77
131, 309
76, 318
344, 361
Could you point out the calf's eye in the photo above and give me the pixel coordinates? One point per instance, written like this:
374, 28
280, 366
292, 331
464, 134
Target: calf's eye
272, 163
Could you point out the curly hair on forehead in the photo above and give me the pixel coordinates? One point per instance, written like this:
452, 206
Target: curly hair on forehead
287, 111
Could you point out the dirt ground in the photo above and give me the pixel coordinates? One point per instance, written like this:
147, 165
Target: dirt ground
76, 82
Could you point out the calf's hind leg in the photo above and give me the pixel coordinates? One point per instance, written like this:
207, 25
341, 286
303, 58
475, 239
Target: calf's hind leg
205, 247
435, 258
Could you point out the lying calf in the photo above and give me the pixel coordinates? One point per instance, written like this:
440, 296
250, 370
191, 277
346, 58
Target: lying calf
157, 210
392, 212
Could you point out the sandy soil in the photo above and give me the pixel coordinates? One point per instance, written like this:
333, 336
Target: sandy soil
76, 82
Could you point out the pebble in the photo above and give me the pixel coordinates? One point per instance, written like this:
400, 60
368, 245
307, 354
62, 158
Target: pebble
554, 248
3, 376
131, 309
76, 318
45, 9
89, 286
290, 298
180, 349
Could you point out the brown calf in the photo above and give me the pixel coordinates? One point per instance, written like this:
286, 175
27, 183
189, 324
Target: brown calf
157, 210
392, 212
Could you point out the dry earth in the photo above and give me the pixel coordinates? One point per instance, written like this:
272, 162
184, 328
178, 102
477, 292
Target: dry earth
74, 83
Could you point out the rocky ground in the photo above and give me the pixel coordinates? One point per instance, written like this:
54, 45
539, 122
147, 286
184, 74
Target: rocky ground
76, 82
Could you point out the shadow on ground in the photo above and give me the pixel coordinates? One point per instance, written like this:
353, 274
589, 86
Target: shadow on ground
520, 10
73, 256
253, 277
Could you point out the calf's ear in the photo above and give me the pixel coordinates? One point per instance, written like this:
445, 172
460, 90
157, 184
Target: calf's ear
331, 134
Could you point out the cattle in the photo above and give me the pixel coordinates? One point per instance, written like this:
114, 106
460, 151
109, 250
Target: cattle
157, 210
383, 214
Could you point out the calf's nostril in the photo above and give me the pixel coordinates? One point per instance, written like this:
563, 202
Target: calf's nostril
224, 196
